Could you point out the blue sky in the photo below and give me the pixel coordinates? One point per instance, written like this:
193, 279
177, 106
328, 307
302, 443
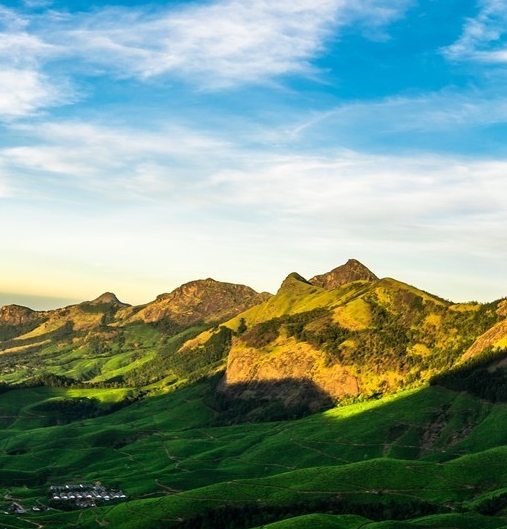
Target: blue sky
144, 145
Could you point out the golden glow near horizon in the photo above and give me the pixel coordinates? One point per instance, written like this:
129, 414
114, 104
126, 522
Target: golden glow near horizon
142, 147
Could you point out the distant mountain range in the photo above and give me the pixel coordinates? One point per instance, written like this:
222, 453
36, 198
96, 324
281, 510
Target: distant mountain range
340, 335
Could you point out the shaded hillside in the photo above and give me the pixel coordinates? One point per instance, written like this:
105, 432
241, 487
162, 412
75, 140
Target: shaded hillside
430, 458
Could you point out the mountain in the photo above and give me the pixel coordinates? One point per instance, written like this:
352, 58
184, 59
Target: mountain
340, 335
204, 300
108, 298
201, 409
107, 341
351, 334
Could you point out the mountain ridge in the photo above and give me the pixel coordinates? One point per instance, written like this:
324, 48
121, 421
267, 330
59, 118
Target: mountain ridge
347, 331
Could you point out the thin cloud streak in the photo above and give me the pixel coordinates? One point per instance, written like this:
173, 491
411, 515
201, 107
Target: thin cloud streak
214, 46
483, 35
436, 112
223, 44
346, 186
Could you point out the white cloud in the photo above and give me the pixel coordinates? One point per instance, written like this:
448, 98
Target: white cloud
82, 162
215, 45
24, 91
119, 164
369, 189
212, 45
24, 87
482, 37
218, 44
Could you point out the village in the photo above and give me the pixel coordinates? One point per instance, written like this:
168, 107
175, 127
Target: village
72, 496
82, 495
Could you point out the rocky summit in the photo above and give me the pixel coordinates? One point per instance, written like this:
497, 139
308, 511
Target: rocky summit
351, 271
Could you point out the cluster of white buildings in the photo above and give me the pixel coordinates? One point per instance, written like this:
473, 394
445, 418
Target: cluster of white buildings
84, 495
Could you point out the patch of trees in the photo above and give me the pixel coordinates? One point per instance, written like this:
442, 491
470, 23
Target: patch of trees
493, 505
51, 380
480, 377
248, 515
191, 364
216, 348
327, 338
266, 332
268, 401
63, 411
66, 410
169, 327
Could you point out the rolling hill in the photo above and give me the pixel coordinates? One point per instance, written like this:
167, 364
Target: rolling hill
343, 401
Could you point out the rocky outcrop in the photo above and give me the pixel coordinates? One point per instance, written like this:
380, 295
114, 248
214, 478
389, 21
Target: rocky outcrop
288, 360
17, 315
204, 300
108, 298
351, 271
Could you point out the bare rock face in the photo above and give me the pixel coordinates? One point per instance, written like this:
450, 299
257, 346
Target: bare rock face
251, 369
351, 271
16, 315
495, 338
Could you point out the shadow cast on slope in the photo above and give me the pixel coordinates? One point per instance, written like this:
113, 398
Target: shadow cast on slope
264, 401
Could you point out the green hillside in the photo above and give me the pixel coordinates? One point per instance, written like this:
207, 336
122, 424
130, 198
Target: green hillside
412, 459
343, 401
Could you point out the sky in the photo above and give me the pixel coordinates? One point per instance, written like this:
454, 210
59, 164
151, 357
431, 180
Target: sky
144, 145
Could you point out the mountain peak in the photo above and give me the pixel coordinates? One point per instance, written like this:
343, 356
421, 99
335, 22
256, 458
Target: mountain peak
110, 298
201, 300
351, 271
294, 283
15, 314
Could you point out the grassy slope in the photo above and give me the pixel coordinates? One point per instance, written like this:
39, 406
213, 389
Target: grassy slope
173, 466
443, 449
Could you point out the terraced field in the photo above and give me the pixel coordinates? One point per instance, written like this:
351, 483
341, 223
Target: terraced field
427, 458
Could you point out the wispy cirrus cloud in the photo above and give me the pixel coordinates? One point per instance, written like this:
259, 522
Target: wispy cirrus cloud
224, 43
212, 45
483, 37
24, 87
62, 160
437, 113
